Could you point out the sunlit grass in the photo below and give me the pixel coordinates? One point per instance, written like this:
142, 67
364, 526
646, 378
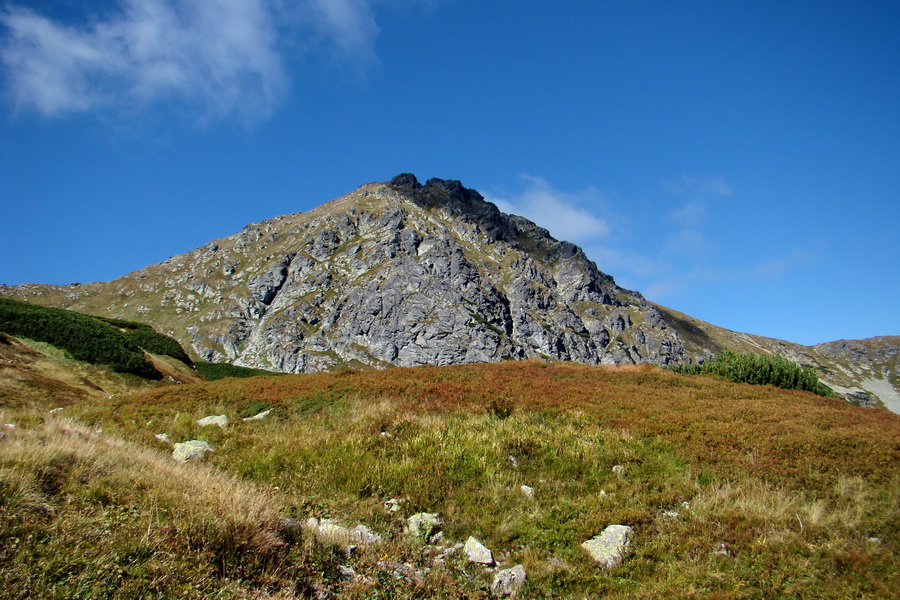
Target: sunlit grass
777, 494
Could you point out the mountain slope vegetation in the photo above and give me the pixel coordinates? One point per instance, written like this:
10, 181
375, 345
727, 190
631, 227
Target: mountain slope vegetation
733, 491
111, 342
51, 355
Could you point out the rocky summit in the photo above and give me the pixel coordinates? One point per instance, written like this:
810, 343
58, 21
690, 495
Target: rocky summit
395, 273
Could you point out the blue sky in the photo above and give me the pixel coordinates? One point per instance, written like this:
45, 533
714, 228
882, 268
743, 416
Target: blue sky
737, 161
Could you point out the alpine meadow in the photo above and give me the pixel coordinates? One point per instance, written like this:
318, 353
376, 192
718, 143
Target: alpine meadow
476, 410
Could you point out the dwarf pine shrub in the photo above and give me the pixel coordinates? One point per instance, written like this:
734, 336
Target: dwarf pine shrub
117, 344
760, 369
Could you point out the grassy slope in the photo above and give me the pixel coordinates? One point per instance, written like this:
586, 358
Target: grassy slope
794, 486
40, 376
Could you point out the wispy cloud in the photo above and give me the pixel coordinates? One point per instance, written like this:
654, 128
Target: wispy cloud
349, 25
568, 216
667, 254
218, 55
214, 58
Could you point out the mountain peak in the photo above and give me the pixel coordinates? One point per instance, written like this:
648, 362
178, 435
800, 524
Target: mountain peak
401, 273
396, 273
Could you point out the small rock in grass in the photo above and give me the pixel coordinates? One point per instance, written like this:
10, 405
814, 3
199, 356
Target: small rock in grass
618, 470
259, 416
328, 532
477, 552
220, 420
609, 547
190, 449
508, 582
403, 571
422, 526
163, 437
670, 514
527, 491
450, 551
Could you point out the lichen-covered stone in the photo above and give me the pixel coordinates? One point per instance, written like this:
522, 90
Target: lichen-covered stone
508, 582
329, 532
259, 416
609, 548
422, 526
185, 451
477, 552
220, 420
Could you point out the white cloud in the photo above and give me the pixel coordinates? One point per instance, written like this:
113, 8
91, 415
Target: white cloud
216, 58
568, 216
349, 24
218, 55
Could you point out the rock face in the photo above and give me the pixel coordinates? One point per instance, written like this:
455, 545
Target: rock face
394, 273
402, 273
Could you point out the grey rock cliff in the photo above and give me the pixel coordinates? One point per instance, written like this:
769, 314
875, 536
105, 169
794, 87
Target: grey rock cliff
409, 274
395, 273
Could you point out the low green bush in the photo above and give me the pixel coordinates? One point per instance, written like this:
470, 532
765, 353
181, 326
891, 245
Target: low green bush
213, 371
117, 344
150, 340
760, 369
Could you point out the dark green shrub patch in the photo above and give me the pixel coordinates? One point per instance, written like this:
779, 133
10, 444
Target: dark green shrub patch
117, 344
760, 369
